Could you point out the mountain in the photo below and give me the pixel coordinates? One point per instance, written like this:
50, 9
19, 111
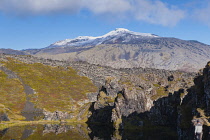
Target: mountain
120, 35
122, 48
11, 51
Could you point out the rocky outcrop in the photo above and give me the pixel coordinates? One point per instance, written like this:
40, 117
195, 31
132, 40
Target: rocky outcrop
3, 117
57, 115
143, 93
184, 101
206, 80
128, 102
156, 98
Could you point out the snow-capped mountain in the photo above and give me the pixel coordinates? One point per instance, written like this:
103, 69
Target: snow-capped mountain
114, 35
122, 48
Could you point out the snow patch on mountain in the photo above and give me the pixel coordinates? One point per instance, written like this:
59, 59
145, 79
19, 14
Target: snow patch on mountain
91, 41
122, 48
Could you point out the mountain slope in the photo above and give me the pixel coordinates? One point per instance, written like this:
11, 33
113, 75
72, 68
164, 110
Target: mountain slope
35, 89
11, 51
32, 90
122, 48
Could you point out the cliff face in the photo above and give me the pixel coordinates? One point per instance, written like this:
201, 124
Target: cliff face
206, 80
139, 96
160, 98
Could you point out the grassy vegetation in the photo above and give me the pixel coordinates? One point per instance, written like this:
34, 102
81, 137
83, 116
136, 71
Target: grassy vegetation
160, 93
203, 116
12, 96
156, 85
182, 95
104, 99
56, 87
12, 115
126, 82
109, 79
117, 123
117, 135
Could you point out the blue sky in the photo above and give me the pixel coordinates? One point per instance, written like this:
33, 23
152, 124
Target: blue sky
38, 23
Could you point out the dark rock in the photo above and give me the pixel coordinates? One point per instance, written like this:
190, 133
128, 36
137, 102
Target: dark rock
171, 78
4, 117
57, 115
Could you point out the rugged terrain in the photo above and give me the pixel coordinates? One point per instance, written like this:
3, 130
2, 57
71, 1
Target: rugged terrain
43, 89
32, 90
122, 48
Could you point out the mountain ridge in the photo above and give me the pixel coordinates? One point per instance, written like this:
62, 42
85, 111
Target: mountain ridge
90, 40
122, 48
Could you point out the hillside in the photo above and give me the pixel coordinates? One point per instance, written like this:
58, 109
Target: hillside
34, 88
11, 51
122, 48
37, 88
42, 89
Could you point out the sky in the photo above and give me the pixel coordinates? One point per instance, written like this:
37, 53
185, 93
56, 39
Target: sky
28, 24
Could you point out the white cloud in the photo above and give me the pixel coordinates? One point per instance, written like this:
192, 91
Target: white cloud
203, 14
34, 7
155, 12
108, 6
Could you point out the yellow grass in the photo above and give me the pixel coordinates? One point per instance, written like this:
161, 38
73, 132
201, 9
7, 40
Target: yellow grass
203, 116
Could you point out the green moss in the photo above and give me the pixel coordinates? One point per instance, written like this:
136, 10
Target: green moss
12, 94
110, 100
116, 135
143, 77
160, 93
117, 123
12, 115
56, 87
102, 94
156, 85
120, 96
109, 79
203, 116
84, 113
125, 81
182, 95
